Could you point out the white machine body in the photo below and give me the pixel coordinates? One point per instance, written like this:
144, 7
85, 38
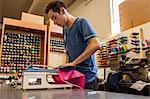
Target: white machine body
40, 80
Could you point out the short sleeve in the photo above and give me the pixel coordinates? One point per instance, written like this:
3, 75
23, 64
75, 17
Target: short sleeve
86, 29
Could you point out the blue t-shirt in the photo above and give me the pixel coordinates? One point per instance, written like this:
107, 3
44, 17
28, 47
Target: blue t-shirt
76, 40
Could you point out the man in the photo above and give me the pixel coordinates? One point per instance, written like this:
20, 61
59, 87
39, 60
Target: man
80, 40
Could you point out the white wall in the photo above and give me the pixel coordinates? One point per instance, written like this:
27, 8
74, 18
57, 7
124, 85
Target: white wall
145, 27
146, 36
98, 13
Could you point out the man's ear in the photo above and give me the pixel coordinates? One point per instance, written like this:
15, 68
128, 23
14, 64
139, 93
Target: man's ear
62, 10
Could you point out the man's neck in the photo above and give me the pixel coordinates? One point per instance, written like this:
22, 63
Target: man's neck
70, 20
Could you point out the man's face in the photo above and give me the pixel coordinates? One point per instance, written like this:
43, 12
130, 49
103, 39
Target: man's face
57, 18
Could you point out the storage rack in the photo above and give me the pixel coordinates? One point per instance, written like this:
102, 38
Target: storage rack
56, 50
56, 43
102, 57
22, 44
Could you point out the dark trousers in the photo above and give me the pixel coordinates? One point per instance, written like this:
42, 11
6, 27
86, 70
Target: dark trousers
94, 85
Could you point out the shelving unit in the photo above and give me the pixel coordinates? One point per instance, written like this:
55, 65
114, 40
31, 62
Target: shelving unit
56, 47
22, 44
102, 57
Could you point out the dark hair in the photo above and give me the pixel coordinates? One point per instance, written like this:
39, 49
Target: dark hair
55, 6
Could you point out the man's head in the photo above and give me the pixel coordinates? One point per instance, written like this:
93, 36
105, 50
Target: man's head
56, 10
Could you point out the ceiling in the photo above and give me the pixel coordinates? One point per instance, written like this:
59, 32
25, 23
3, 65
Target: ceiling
13, 8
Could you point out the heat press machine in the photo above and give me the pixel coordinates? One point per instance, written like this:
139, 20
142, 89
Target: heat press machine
39, 78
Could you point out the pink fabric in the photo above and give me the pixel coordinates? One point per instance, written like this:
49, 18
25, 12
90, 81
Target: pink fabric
70, 77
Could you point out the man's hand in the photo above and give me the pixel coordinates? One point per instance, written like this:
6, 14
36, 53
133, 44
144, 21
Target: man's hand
93, 45
69, 64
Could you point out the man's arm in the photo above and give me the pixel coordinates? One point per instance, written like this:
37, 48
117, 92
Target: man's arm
93, 45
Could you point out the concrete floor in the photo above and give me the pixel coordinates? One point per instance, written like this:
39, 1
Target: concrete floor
7, 92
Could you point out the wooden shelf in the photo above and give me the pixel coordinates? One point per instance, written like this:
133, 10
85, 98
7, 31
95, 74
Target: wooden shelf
55, 37
24, 24
23, 27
